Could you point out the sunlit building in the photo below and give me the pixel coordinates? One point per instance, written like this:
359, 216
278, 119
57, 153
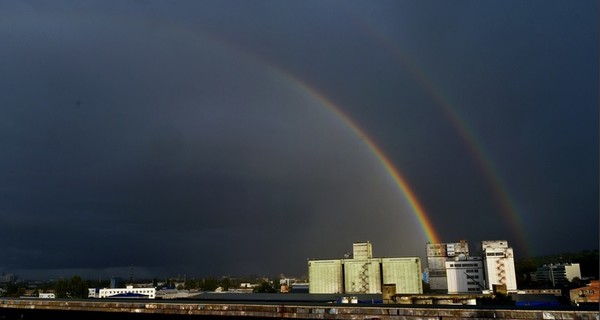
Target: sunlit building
362, 273
465, 275
128, 292
437, 255
499, 264
586, 295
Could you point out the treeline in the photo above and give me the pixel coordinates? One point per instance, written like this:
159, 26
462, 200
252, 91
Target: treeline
225, 283
206, 284
74, 287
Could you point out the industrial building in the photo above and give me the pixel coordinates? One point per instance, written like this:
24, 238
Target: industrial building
452, 270
499, 265
437, 256
558, 274
465, 275
362, 273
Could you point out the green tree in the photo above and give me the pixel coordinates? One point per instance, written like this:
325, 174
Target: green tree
265, 287
71, 288
209, 284
226, 283
61, 288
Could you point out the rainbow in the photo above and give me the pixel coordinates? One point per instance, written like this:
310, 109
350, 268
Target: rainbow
401, 183
294, 81
476, 148
398, 179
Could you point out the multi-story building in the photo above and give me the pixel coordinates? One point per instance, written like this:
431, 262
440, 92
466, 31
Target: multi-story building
499, 264
7, 278
465, 275
558, 274
437, 255
364, 274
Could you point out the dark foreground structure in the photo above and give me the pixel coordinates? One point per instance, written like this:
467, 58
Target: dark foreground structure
39, 309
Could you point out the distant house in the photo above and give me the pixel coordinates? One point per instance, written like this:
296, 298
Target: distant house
558, 274
585, 295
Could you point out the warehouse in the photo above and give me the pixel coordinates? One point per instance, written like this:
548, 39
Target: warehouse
363, 274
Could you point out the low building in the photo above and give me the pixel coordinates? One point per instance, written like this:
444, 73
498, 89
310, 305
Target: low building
128, 292
552, 291
585, 295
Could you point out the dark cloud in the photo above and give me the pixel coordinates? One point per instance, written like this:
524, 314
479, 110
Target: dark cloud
172, 136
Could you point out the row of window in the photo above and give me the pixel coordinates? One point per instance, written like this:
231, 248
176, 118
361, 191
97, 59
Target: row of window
148, 291
491, 254
463, 265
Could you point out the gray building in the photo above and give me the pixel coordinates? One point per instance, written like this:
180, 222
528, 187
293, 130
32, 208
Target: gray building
437, 255
558, 274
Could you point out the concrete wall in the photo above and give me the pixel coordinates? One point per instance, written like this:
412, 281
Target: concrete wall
280, 311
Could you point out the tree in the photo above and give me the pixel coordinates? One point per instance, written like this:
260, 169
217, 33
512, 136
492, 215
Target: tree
226, 283
209, 284
72, 288
265, 287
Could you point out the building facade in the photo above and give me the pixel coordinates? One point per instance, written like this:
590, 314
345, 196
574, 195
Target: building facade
586, 295
558, 274
365, 274
325, 276
404, 273
499, 264
128, 292
465, 275
437, 255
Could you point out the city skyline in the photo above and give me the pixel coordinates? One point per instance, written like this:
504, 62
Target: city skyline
245, 137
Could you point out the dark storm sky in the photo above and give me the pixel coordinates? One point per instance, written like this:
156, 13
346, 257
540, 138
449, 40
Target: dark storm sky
175, 136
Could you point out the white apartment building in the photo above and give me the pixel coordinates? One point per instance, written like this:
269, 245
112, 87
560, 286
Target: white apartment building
558, 273
499, 264
465, 275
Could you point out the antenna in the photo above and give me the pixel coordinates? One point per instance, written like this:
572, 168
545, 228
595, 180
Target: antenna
131, 274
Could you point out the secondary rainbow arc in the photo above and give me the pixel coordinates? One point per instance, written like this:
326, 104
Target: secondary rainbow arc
476, 148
